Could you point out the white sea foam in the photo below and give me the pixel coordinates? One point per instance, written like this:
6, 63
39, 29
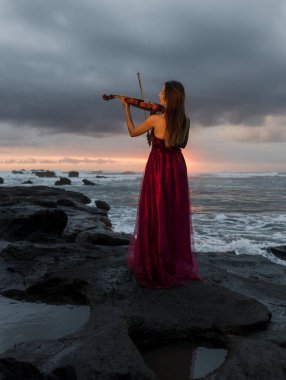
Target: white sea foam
221, 216
250, 174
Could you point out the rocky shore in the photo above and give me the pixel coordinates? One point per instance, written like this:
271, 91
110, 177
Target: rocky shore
58, 249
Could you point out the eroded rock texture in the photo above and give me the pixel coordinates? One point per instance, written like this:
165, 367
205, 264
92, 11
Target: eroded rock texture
80, 260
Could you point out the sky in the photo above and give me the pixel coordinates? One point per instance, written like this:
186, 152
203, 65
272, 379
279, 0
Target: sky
59, 57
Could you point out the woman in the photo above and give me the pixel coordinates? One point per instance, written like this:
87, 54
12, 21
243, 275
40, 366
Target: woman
161, 251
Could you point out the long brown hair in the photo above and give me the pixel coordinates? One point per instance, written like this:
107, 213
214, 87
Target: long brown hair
177, 122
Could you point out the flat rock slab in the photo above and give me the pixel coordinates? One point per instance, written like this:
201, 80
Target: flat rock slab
123, 315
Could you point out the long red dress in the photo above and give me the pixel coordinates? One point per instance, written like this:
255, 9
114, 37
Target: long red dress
161, 250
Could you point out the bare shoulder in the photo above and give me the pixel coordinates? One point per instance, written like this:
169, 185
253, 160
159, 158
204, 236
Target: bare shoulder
155, 119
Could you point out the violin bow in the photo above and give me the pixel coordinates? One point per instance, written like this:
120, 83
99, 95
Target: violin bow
140, 84
141, 90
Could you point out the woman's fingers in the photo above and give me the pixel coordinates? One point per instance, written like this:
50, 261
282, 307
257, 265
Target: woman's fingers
122, 98
123, 101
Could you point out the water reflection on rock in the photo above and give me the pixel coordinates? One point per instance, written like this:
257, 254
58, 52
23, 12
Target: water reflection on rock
184, 360
27, 321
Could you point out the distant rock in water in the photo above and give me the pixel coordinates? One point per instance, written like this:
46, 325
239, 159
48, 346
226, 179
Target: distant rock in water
46, 173
73, 174
87, 182
1, 180
101, 176
95, 172
17, 172
102, 204
63, 181
27, 183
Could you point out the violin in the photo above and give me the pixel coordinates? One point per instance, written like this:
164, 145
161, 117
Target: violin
138, 103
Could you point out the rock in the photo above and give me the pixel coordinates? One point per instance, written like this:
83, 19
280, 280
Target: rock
279, 252
103, 237
240, 302
128, 172
123, 315
87, 182
63, 181
56, 289
73, 174
12, 369
17, 172
18, 223
46, 173
102, 204
66, 202
80, 216
250, 358
101, 176
45, 203
1, 180
29, 195
27, 183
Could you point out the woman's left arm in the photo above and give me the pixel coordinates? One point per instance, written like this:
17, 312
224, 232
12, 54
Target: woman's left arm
142, 128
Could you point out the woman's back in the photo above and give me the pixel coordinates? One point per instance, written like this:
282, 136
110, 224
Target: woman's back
160, 130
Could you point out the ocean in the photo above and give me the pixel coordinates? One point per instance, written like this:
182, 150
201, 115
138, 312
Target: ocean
240, 212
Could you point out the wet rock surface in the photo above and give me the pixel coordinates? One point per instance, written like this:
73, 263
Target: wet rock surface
241, 302
63, 181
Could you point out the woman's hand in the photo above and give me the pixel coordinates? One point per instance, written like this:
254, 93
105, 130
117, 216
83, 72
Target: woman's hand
126, 105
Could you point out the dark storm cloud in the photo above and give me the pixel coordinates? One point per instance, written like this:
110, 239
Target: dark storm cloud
59, 57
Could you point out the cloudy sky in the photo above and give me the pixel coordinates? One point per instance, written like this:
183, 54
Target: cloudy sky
59, 56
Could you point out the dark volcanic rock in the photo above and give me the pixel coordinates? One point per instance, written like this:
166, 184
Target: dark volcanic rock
63, 181
101, 176
57, 289
46, 173
102, 204
12, 369
240, 303
18, 223
87, 182
30, 195
279, 252
1, 180
73, 174
103, 237
17, 172
23, 202
27, 183
66, 202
